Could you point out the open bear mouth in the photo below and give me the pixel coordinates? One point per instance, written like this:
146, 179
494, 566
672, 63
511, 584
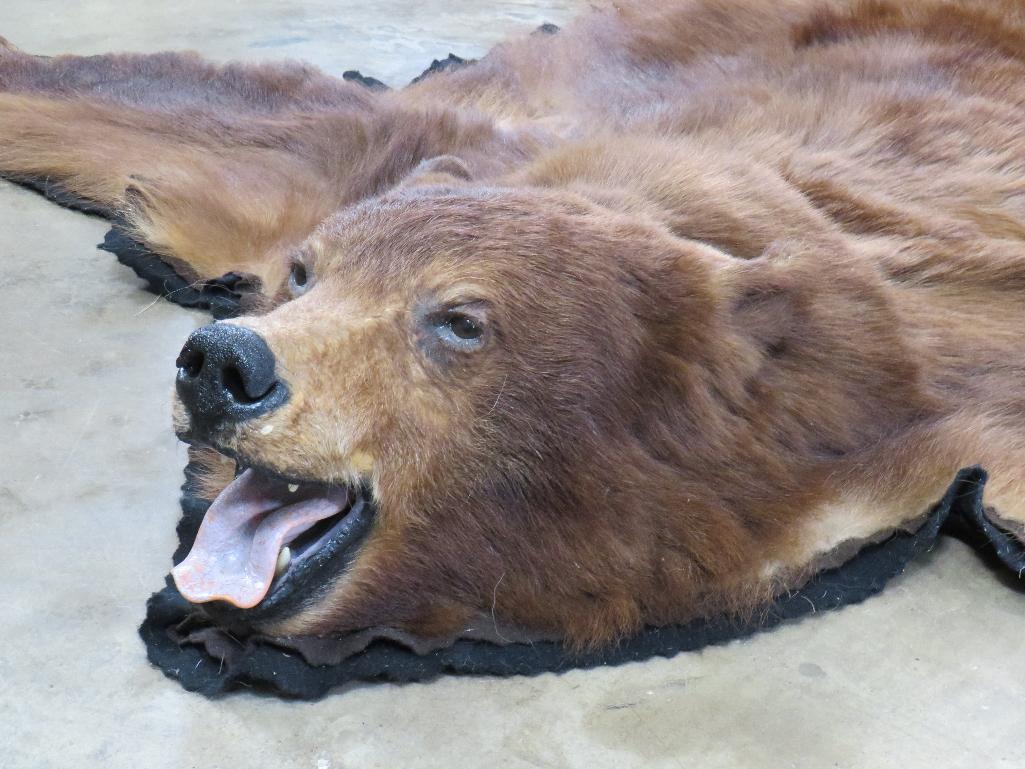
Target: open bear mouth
265, 537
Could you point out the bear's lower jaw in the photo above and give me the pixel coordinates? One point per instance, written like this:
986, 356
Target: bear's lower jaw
268, 545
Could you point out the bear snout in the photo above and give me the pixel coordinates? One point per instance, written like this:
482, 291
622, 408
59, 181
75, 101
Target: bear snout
227, 375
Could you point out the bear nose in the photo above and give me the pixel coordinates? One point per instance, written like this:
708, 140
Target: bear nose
226, 375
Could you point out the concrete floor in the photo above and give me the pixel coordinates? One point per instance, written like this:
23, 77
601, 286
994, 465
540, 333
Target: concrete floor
930, 674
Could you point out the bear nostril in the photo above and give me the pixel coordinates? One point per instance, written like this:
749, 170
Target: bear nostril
191, 362
235, 384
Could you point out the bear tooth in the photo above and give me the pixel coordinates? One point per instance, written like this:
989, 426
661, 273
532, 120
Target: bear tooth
284, 558
266, 429
293, 487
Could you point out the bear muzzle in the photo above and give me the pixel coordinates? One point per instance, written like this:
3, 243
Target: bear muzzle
226, 375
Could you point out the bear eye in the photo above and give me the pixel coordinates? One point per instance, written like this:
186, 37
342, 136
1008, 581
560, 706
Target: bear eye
299, 278
464, 327
460, 330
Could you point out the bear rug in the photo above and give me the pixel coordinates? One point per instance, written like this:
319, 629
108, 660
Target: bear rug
212, 661
153, 232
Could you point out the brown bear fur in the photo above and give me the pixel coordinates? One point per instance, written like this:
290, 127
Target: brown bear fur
752, 275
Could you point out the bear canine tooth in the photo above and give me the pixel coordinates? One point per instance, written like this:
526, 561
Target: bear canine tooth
284, 558
266, 429
293, 487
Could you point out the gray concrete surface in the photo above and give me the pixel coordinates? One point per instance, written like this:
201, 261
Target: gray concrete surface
931, 674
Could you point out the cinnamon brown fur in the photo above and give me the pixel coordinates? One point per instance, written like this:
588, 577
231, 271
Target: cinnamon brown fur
753, 275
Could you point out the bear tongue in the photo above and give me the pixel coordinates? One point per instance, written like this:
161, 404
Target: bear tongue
236, 549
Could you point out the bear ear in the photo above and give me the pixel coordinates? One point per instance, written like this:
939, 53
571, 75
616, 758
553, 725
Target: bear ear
766, 315
767, 300
443, 170
800, 290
